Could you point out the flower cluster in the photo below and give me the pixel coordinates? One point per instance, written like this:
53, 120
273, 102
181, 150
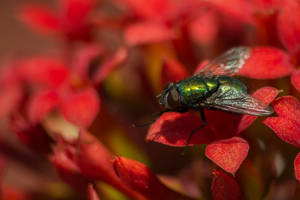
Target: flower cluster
73, 108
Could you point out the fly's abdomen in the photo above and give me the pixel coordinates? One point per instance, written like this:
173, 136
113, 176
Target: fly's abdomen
196, 89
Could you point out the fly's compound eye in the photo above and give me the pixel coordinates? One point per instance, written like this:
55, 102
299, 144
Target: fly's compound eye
173, 98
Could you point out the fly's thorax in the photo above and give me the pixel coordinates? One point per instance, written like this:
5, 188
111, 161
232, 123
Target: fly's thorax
195, 89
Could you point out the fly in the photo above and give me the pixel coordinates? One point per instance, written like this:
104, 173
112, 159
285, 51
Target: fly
213, 87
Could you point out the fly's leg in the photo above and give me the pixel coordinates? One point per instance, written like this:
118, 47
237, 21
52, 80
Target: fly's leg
195, 130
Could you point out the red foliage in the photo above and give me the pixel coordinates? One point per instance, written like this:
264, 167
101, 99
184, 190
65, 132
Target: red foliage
228, 154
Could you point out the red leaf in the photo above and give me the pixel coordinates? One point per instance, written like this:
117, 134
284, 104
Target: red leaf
225, 187
289, 26
41, 104
147, 32
40, 18
141, 179
267, 63
81, 107
295, 79
110, 65
287, 124
265, 95
48, 71
174, 129
172, 71
228, 154
92, 193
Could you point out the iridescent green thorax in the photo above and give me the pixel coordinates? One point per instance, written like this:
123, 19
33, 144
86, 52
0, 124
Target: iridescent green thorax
196, 89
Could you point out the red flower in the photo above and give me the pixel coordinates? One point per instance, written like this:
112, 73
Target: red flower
141, 179
71, 21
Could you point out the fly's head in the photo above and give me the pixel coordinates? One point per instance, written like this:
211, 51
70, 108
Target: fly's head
170, 98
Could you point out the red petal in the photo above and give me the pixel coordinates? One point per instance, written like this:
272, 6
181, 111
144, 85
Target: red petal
84, 59
141, 179
92, 193
174, 129
76, 10
297, 166
232, 9
225, 187
287, 124
172, 71
41, 104
110, 65
81, 107
265, 95
295, 79
48, 71
228, 154
204, 29
152, 9
95, 163
147, 32
267, 63
40, 18
289, 26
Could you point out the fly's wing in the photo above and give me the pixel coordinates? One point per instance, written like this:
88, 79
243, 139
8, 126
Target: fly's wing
238, 102
227, 64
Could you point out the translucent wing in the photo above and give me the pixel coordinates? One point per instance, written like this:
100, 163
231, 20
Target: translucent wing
238, 102
228, 64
